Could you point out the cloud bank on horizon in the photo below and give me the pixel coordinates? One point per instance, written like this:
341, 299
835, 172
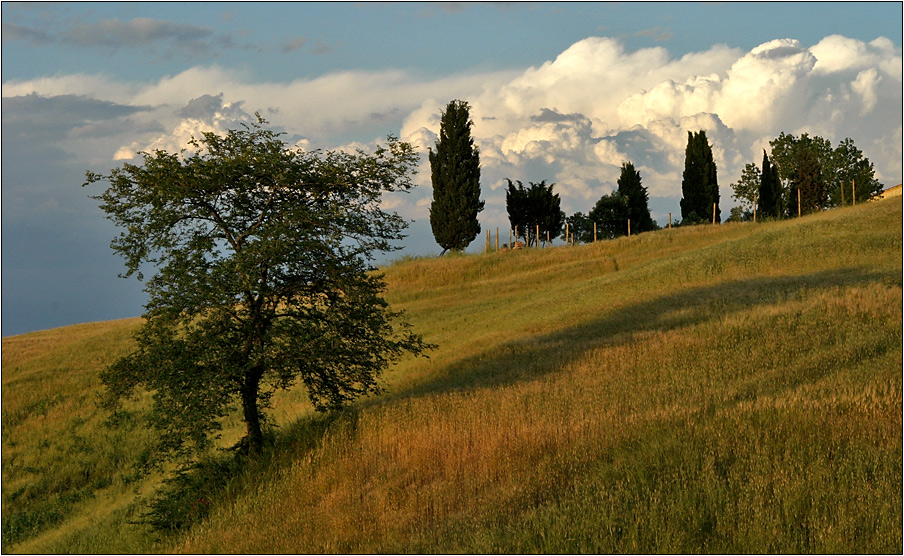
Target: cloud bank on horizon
572, 120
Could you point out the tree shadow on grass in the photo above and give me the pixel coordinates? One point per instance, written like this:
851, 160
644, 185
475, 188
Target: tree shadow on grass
188, 496
522, 360
222, 477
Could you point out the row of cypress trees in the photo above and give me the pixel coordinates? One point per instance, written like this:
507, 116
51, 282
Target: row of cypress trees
455, 175
534, 209
805, 164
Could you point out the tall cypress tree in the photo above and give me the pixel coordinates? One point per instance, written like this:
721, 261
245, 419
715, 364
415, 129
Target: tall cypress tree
455, 173
629, 186
769, 203
699, 185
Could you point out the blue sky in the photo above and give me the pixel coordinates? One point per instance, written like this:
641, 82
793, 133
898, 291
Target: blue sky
559, 91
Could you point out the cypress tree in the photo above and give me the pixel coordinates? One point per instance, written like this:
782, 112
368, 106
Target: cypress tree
549, 215
629, 186
769, 203
534, 206
699, 185
517, 204
455, 174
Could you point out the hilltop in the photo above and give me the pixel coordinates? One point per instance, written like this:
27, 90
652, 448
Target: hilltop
732, 388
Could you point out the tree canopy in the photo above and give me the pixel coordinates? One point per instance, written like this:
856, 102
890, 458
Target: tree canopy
455, 175
746, 190
580, 227
798, 157
851, 174
262, 278
612, 211
534, 206
611, 216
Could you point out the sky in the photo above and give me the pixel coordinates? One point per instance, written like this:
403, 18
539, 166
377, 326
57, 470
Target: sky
562, 92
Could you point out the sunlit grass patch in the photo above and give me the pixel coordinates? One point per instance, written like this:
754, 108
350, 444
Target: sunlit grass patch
710, 389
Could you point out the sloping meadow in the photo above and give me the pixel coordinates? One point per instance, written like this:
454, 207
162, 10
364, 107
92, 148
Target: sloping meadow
731, 388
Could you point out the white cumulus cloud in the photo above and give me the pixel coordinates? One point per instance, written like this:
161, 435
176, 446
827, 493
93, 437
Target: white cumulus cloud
571, 120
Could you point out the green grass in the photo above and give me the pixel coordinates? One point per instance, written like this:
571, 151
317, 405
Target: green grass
731, 388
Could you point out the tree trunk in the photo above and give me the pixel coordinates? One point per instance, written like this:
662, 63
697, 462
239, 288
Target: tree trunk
250, 412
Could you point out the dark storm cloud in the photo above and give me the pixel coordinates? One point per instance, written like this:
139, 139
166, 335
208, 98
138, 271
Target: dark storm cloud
57, 266
202, 108
37, 131
554, 116
643, 148
207, 107
68, 107
49, 118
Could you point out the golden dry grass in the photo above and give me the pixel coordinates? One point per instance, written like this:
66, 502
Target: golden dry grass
708, 389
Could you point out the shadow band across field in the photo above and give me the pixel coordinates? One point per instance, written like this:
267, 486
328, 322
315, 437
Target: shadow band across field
511, 363
523, 360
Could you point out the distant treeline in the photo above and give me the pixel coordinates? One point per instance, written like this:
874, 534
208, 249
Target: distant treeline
803, 175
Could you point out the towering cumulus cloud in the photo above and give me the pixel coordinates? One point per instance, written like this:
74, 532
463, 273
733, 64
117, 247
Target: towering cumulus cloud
572, 120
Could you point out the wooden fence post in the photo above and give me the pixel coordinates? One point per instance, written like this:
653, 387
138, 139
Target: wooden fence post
594, 232
566, 234
538, 236
798, 203
547, 238
714, 214
629, 227
670, 220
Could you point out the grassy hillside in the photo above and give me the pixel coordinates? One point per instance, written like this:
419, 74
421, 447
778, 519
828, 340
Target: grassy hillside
732, 388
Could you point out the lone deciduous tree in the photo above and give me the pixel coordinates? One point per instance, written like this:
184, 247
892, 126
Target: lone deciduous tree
611, 215
580, 227
849, 165
809, 180
262, 278
746, 192
455, 175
